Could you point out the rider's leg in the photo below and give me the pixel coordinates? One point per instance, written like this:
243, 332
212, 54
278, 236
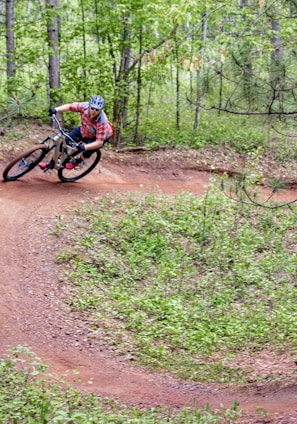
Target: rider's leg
87, 153
83, 156
75, 135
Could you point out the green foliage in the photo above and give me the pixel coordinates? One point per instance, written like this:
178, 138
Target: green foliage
176, 280
26, 396
241, 133
230, 66
28, 103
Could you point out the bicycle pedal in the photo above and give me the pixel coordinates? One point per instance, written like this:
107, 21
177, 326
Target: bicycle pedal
45, 166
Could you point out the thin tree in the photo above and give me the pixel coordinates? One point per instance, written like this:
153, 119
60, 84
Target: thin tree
54, 50
121, 80
177, 82
138, 104
84, 47
1, 10
124, 62
199, 74
277, 70
10, 46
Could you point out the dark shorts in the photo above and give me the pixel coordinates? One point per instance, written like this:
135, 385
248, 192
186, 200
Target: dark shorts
75, 134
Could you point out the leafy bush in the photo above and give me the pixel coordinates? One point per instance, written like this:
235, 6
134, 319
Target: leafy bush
173, 280
26, 396
216, 130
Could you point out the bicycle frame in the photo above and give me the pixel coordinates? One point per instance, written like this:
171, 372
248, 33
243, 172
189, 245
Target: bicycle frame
65, 151
62, 147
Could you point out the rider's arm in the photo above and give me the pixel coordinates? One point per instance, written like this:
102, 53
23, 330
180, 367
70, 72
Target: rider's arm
103, 132
63, 108
94, 145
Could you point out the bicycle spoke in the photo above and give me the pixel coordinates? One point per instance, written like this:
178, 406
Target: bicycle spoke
79, 171
24, 163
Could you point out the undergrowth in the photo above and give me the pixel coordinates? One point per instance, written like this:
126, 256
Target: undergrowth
182, 283
28, 396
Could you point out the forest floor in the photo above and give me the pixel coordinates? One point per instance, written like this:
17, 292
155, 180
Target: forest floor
32, 312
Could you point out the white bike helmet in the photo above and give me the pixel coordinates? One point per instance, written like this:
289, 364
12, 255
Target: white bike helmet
97, 102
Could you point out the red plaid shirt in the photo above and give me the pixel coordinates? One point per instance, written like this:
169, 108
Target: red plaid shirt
101, 129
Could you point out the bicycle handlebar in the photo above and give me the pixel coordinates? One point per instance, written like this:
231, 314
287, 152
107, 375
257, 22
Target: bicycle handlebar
54, 120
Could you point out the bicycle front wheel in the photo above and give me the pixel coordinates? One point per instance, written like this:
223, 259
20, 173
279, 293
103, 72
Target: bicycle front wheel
25, 162
69, 175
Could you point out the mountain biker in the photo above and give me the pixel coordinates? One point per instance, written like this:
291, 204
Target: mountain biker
94, 131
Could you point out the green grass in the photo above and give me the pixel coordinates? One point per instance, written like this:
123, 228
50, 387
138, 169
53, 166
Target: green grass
180, 283
214, 130
27, 397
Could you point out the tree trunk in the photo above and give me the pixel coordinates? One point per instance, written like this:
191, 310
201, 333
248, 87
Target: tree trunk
54, 52
149, 97
121, 77
1, 10
177, 82
97, 23
199, 75
121, 84
246, 66
138, 105
221, 89
10, 49
277, 71
276, 40
83, 89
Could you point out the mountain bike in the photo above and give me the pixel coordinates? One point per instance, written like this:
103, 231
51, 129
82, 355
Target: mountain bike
64, 151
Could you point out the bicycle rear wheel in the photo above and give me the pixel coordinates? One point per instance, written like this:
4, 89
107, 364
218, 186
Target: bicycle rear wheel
70, 175
25, 162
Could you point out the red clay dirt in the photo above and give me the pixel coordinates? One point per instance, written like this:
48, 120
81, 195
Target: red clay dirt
32, 312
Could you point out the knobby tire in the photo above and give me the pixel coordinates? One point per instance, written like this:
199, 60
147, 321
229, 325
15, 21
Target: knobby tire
25, 162
71, 175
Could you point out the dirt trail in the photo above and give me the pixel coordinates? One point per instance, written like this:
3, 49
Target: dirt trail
32, 313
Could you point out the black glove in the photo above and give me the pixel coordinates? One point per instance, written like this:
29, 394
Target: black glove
52, 111
81, 147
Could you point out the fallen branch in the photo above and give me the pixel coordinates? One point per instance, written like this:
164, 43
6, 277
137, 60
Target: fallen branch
137, 149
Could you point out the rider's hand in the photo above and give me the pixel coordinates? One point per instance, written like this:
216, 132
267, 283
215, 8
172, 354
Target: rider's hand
52, 111
81, 147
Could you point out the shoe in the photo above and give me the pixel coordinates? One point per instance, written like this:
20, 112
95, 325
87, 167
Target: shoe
74, 163
44, 165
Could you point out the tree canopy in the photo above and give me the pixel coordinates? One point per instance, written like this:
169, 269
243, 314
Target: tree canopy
184, 57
